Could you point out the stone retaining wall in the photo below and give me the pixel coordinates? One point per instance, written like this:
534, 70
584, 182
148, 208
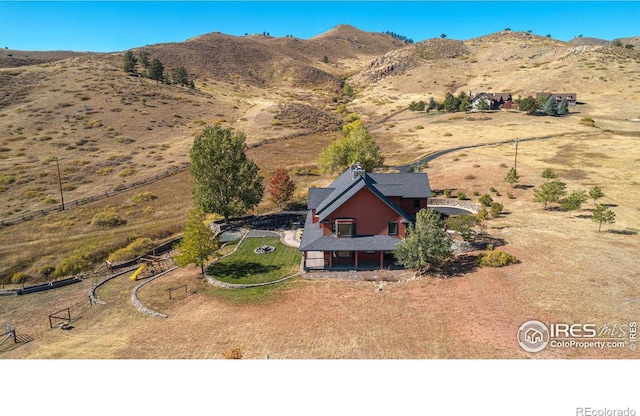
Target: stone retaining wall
136, 302
456, 203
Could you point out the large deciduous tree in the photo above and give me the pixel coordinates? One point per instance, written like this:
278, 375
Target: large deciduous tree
357, 145
197, 243
281, 187
426, 244
226, 180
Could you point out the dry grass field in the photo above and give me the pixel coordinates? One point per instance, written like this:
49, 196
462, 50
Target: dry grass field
569, 272
109, 129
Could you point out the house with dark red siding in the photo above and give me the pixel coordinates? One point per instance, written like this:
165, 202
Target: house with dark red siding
356, 222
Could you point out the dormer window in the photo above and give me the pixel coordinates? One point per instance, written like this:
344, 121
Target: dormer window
344, 228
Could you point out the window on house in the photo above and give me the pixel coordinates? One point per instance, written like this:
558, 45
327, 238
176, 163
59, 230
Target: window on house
392, 228
416, 204
342, 254
344, 229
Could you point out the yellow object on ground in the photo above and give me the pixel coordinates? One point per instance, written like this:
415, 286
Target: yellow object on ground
138, 271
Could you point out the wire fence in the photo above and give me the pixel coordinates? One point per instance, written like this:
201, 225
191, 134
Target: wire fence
121, 188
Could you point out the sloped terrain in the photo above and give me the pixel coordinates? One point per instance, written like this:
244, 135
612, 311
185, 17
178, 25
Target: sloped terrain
108, 129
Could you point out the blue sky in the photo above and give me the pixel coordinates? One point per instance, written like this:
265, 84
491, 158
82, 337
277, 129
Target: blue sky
119, 25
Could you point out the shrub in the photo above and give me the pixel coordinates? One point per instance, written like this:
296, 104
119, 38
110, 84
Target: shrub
108, 218
496, 258
496, 209
18, 278
447, 193
47, 270
483, 213
143, 197
461, 195
492, 189
476, 193
470, 177
233, 353
510, 195
138, 247
486, 200
127, 172
73, 264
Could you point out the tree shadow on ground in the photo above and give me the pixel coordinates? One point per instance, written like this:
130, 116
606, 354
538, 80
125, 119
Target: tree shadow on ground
482, 242
521, 186
239, 270
624, 232
461, 265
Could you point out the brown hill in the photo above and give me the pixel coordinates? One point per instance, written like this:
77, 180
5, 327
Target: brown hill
10, 58
267, 61
109, 129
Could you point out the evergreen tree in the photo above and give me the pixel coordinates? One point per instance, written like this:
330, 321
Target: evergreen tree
464, 102
603, 215
432, 104
417, 106
129, 62
574, 200
483, 104
426, 244
144, 59
226, 181
549, 174
180, 76
450, 103
197, 243
549, 192
156, 70
512, 177
595, 193
563, 108
550, 106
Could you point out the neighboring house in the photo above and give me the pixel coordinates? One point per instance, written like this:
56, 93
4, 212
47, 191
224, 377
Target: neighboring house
495, 100
357, 221
571, 97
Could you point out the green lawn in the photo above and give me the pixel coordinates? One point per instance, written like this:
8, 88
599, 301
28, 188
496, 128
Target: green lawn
246, 267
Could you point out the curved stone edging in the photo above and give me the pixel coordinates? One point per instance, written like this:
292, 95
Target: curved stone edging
224, 285
92, 293
136, 302
465, 205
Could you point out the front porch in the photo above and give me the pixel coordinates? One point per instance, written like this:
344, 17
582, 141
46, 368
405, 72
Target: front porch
349, 260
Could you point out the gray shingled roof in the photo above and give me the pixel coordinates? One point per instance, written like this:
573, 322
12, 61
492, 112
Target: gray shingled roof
383, 185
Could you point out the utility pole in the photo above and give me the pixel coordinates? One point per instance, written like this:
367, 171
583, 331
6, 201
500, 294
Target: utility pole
60, 183
515, 162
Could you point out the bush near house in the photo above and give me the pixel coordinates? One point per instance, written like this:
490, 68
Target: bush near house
496, 258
